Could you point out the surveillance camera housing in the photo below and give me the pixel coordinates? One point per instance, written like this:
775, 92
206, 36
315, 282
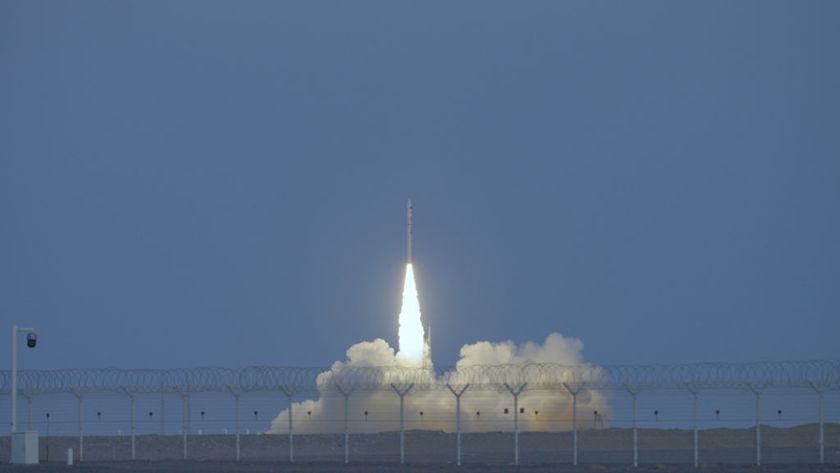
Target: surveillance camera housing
31, 339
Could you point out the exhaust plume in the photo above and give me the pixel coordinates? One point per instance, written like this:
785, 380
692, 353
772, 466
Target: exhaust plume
413, 351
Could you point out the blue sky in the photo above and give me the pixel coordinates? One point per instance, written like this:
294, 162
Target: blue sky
223, 183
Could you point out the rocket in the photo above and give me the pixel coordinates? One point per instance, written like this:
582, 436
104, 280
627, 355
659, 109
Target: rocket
408, 215
427, 329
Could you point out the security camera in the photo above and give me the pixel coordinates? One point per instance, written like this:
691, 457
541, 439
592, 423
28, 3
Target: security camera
31, 339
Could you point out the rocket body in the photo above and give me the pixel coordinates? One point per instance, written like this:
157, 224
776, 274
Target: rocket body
408, 214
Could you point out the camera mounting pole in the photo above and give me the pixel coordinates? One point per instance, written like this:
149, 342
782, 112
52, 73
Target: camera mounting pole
30, 341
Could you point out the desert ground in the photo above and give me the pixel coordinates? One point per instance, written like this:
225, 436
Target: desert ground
606, 450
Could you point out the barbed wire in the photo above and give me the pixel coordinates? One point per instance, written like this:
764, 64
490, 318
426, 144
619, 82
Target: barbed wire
814, 374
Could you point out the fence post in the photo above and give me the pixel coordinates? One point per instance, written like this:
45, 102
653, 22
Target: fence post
47, 453
346, 395
757, 392
634, 393
574, 393
402, 394
235, 394
822, 440
162, 410
457, 395
516, 392
81, 427
289, 394
185, 417
133, 431
819, 390
131, 398
695, 393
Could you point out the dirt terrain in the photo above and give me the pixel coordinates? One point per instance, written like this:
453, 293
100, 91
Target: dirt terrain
323, 467
606, 450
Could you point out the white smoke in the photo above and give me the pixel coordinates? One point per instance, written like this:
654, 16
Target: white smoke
433, 409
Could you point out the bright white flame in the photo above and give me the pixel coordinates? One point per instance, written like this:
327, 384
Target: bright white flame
412, 336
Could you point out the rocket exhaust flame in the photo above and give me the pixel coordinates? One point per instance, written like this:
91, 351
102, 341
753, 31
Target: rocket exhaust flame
411, 332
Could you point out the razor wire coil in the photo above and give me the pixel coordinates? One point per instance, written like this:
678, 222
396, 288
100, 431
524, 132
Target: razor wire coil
816, 374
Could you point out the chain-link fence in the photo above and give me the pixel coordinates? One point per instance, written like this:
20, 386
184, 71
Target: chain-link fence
744, 413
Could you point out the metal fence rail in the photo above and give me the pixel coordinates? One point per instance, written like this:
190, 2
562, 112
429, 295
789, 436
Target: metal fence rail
777, 412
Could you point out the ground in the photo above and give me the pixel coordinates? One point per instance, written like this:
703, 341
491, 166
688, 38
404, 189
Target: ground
325, 467
784, 450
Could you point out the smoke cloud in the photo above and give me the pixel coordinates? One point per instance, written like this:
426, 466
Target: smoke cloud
482, 410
